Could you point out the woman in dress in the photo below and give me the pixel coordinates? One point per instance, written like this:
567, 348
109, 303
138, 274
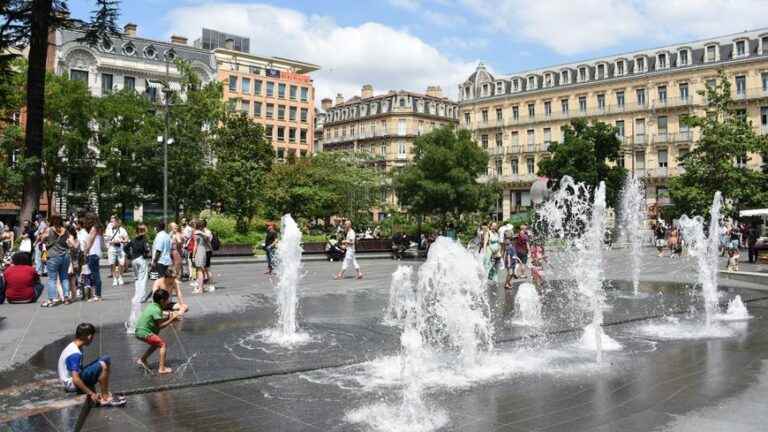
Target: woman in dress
93, 247
492, 251
177, 243
202, 245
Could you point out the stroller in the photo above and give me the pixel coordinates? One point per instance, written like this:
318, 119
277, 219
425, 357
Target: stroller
332, 250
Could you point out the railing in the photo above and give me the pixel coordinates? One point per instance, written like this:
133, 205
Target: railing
377, 133
508, 178
749, 93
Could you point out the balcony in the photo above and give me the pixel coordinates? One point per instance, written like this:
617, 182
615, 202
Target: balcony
750, 93
681, 137
674, 102
639, 140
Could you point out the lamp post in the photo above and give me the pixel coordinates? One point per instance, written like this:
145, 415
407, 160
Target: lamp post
169, 56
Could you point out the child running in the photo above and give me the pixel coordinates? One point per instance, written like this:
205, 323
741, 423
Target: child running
149, 324
82, 379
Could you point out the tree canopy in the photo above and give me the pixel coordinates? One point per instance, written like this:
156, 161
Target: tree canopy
442, 179
584, 154
718, 161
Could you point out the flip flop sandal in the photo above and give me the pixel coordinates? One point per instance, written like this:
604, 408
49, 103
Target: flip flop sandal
46, 304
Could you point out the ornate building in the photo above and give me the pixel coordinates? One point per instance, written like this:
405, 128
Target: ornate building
644, 94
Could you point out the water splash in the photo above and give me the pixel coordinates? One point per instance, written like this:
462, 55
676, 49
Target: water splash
289, 266
401, 294
632, 216
736, 311
527, 306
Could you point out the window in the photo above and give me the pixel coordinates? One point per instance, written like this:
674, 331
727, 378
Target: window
151, 94
232, 83
293, 92
106, 83
662, 59
270, 89
684, 92
741, 85
280, 133
79, 75
662, 155
620, 129
564, 106
640, 96
640, 130
245, 106
683, 58
620, 67
621, 161
498, 114
582, 104
402, 102
529, 164
129, 83
684, 129
484, 141
741, 161
547, 135
764, 117
547, 108
600, 71
514, 138
281, 90
601, 102
246, 85
466, 118
499, 140
292, 134
514, 166
711, 83
741, 48
764, 79
401, 148
662, 94
257, 87
257, 109
531, 110
711, 53
582, 74
620, 99
764, 44
640, 64
661, 123
531, 82
292, 113
531, 137
515, 112
281, 112
565, 77
304, 115
515, 85
304, 94
662, 193
484, 115
268, 131
639, 160
270, 110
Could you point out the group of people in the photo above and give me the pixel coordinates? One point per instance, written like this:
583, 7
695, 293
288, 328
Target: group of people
511, 248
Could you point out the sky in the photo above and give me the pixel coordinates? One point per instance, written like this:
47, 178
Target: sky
410, 44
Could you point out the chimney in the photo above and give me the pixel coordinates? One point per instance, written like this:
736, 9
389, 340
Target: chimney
367, 91
326, 104
130, 29
435, 91
178, 40
339, 99
229, 44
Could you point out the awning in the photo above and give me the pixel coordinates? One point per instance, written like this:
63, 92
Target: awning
160, 85
755, 212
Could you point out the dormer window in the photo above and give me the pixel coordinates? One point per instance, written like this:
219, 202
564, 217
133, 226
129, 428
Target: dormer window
565, 77
516, 85
710, 53
764, 44
640, 65
106, 45
486, 90
583, 76
601, 71
150, 52
532, 82
499, 87
549, 80
684, 57
129, 49
740, 48
620, 68
661, 61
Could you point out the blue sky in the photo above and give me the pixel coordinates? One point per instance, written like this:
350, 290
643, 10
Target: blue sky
409, 44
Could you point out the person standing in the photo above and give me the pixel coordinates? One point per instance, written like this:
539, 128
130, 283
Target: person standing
177, 249
752, 235
93, 248
208, 255
58, 243
139, 255
161, 250
660, 233
41, 227
187, 232
116, 237
85, 272
349, 255
270, 242
492, 252
202, 245
521, 245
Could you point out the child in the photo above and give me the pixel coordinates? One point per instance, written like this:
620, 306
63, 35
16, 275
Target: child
171, 284
149, 325
733, 260
77, 378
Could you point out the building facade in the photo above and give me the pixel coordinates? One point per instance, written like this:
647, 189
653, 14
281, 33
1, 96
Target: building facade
644, 94
385, 126
212, 39
275, 92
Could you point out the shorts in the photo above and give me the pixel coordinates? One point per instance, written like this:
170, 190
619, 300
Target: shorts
90, 374
523, 257
116, 255
161, 268
153, 340
208, 255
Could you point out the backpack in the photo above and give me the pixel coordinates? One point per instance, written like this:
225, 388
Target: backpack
128, 249
215, 242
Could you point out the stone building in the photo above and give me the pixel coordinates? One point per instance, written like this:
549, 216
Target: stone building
644, 94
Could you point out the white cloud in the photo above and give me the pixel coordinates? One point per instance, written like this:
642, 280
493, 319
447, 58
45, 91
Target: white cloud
463, 43
349, 56
571, 27
409, 5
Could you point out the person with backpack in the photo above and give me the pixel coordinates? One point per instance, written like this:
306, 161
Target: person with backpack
200, 255
117, 237
138, 252
213, 245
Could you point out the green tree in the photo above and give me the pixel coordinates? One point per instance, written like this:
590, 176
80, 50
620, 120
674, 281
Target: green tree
725, 136
243, 158
12, 161
126, 131
321, 186
28, 23
442, 179
67, 156
586, 154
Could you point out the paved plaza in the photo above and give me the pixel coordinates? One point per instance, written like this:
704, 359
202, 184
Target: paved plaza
226, 378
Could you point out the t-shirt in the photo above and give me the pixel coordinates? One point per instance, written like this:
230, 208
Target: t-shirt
521, 242
70, 360
162, 244
56, 244
119, 234
147, 322
351, 239
271, 237
19, 283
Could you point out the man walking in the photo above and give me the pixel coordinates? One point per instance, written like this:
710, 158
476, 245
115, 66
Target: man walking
116, 237
349, 255
269, 247
139, 255
161, 250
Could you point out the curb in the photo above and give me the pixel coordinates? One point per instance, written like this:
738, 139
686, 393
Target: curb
760, 279
262, 259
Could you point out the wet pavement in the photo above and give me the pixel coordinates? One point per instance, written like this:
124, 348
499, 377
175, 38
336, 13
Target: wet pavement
227, 378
